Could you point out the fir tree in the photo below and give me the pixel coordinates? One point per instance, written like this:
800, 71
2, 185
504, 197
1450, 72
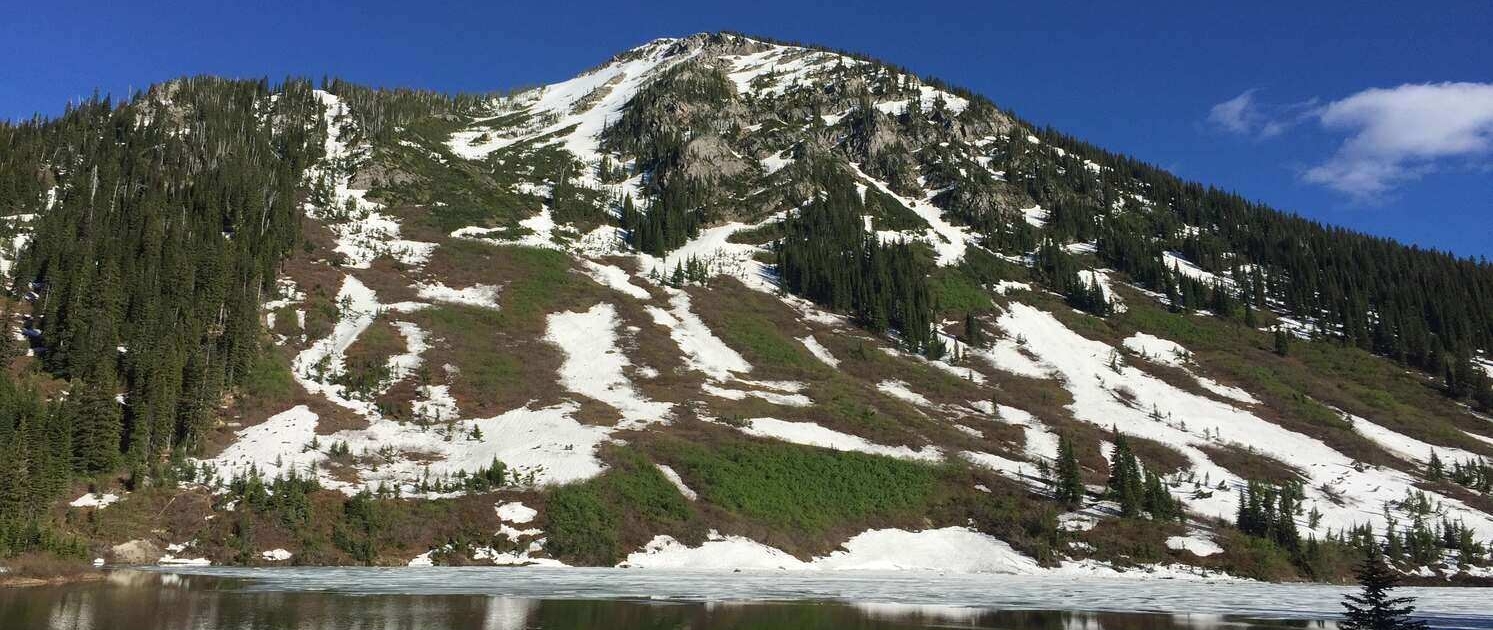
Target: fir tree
1282, 341
1069, 488
1126, 485
1374, 608
974, 333
1158, 501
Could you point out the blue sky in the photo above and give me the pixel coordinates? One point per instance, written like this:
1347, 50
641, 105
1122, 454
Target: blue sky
1374, 116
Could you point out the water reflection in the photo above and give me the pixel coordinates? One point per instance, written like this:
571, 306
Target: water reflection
133, 600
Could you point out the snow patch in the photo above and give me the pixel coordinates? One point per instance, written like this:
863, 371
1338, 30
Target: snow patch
674, 478
483, 295
812, 434
1197, 544
613, 277
594, 365
95, 500
900, 391
819, 351
949, 550
515, 512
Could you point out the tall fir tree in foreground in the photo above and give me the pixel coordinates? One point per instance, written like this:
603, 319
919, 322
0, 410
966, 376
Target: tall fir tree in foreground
1374, 608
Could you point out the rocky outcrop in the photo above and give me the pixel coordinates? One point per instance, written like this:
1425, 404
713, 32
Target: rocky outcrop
135, 552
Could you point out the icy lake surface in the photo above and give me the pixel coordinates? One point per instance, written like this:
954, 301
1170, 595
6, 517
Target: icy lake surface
507, 599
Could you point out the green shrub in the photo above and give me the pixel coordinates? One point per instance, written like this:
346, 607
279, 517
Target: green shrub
586, 520
800, 487
580, 526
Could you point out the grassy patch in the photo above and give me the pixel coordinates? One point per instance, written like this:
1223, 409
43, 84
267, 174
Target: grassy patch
268, 378
955, 292
798, 487
756, 336
448, 219
484, 365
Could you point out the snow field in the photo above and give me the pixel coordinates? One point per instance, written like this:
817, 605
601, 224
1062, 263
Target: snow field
363, 233
594, 365
1138, 404
1170, 353
954, 550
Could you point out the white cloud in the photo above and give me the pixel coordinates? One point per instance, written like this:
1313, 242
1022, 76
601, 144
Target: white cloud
1235, 114
1247, 116
1399, 134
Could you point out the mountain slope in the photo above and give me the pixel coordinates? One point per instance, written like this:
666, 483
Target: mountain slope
722, 301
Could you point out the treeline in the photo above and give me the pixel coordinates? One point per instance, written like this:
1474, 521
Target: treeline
381, 112
160, 225
827, 256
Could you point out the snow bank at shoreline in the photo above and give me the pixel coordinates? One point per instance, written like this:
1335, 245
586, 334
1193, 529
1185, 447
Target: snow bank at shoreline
948, 550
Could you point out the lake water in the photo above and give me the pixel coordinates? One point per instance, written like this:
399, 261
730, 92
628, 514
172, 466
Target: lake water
614, 599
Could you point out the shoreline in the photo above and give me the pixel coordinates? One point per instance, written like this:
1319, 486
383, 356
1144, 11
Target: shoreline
28, 581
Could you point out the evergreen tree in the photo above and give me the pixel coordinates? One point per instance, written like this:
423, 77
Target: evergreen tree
974, 333
1374, 607
1158, 501
1126, 484
1069, 488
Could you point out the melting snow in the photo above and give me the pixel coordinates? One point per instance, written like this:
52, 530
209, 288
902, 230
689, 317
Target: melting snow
274, 447
1173, 417
594, 366
613, 277
515, 512
900, 391
812, 434
951, 549
483, 295
948, 241
1177, 263
702, 349
678, 482
819, 351
95, 500
1197, 544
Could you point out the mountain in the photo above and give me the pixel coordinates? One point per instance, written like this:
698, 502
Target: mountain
719, 302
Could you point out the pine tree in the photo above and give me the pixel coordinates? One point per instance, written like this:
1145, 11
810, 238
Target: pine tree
974, 333
1282, 341
1158, 501
1126, 485
1069, 483
1374, 608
